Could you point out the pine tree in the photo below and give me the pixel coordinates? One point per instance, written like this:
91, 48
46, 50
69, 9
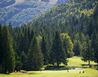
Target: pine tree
6, 50
35, 56
57, 54
95, 36
18, 63
95, 46
77, 43
87, 54
77, 48
24, 60
44, 50
96, 49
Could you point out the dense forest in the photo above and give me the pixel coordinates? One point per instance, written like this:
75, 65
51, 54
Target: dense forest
62, 32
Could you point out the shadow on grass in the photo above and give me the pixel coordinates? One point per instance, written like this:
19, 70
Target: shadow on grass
94, 66
56, 68
30, 72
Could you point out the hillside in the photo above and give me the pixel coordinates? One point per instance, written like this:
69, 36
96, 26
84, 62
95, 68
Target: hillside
4, 3
69, 17
77, 19
18, 12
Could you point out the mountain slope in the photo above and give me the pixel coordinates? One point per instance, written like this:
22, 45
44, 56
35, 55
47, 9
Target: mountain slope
22, 11
4, 3
69, 17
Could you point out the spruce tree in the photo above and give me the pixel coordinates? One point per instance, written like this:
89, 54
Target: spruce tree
24, 60
35, 56
87, 54
44, 50
77, 48
95, 46
7, 53
57, 54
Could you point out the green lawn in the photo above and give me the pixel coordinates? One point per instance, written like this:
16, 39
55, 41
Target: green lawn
75, 61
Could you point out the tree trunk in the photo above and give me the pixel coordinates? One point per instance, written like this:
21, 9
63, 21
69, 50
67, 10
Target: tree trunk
89, 63
57, 64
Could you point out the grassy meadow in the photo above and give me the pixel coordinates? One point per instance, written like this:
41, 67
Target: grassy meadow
77, 62
74, 61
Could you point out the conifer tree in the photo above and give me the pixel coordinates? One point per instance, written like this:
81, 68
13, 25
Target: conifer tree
35, 56
87, 54
44, 50
7, 53
77, 48
57, 54
95, 46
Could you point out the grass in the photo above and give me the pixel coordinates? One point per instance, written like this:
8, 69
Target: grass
75, 61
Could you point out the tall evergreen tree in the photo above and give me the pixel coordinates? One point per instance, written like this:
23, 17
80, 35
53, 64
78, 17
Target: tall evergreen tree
77, 48
87, 54
7, 53
44, 50
35, 56
57, 54
18, 63
24, 60
95, 46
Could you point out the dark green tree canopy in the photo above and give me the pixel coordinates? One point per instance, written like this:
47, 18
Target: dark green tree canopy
57, 54
35, 56
7, 53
